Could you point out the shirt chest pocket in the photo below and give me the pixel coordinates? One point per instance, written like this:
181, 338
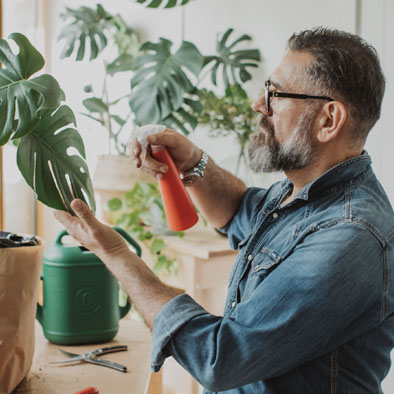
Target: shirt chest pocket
265, 261
262, 264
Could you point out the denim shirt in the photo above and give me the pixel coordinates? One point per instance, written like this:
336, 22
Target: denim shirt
311, 295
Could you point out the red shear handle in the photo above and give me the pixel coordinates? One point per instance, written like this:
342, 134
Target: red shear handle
88, 390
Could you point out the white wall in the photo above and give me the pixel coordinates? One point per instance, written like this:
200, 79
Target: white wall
270, 23
376, 26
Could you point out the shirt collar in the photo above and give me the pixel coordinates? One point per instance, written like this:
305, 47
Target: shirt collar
334, 179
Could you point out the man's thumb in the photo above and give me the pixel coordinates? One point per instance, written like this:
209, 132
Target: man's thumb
82, 211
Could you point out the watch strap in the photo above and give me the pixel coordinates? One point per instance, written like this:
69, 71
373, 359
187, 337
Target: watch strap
199, 168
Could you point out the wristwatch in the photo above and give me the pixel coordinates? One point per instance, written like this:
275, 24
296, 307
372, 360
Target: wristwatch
190, 177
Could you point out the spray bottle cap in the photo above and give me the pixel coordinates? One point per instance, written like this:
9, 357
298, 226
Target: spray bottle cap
140, 133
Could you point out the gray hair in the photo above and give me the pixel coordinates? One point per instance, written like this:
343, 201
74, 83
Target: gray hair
346, 68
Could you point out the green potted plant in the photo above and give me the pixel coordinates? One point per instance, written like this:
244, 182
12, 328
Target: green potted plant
140, 212
35, 119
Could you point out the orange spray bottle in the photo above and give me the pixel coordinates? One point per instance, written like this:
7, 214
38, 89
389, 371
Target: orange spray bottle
179, 209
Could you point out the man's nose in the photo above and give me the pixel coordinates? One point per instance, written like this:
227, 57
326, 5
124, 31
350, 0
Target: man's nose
259, 106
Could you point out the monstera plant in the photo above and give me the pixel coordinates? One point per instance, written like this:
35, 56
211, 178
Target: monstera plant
31, 113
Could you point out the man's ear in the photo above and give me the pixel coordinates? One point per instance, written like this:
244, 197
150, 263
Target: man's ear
331, 121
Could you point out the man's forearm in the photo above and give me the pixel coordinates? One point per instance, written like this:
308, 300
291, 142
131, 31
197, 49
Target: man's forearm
218, 195
145, 289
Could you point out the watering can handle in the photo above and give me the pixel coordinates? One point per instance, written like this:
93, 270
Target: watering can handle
123, 310
122, 232
130, 240
39, 312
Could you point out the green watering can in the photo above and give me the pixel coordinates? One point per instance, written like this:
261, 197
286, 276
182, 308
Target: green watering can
81, 297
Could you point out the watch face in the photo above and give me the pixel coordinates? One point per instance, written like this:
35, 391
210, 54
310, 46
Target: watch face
191, 179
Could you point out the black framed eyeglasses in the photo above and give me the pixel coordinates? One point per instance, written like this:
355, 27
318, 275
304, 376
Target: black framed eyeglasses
268, 94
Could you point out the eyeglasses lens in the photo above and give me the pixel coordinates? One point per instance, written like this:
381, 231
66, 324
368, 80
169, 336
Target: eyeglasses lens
267, 96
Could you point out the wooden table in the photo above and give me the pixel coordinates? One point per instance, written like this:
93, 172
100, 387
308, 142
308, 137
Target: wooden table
46, 378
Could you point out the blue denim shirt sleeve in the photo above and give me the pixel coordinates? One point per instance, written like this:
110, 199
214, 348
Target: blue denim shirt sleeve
172, 316
287, 320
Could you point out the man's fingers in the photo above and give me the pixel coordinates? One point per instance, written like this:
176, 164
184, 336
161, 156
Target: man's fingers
134, 148
62, 216
154, 167
83, 212
167, 137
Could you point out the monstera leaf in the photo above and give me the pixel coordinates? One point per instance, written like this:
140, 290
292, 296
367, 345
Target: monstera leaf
234, 64
55, 174
162, 3
183, 118
121, 63
22, 100
87, 24
160, 83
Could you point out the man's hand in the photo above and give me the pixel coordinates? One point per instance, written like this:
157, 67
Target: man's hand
99, 238
218, 195
144, 288
184, 153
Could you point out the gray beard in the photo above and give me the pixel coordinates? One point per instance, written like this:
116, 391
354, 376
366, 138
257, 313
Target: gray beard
266, 154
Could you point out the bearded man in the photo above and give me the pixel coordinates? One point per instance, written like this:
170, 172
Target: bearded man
310, 305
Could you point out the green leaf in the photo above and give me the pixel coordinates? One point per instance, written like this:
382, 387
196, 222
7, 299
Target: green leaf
22, 100
16, 142
160, 82
114, 204
95, 105
162, 3
86, 24
125, 38
118, 120
120, 64
55, 175
93, 118
233, 64
157, 246
182, 119
236, 91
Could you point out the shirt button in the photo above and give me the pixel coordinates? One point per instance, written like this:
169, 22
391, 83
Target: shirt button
275, 215
233, 304
250, 257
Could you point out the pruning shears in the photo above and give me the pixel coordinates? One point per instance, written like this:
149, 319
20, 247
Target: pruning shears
91, 357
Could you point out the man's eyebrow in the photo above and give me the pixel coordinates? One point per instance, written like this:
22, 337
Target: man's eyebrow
276, 84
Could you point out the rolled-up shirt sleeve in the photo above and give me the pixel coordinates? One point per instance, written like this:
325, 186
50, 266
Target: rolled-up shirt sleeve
301, 311
172, 316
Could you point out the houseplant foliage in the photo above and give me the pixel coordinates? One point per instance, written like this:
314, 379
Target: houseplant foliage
92, 33
228, 115
162, 3
160, 83
164, 82
233, 62
31, 111
140, 211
